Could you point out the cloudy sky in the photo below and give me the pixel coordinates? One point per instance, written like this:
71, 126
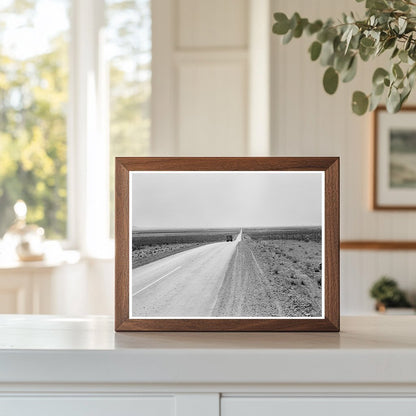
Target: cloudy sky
164, 200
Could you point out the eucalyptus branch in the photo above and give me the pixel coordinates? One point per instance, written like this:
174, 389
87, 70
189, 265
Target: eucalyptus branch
389, 25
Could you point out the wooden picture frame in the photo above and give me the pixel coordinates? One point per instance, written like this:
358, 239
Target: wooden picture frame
394, 184
133, 170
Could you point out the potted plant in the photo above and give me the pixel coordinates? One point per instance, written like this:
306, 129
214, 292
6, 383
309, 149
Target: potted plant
389, 27
387, 294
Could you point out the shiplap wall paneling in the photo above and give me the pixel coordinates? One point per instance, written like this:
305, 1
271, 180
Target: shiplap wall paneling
212, 24
212, 108
212, 83
204, 73
360, 269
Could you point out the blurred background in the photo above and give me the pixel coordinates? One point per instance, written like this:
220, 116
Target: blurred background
83, 81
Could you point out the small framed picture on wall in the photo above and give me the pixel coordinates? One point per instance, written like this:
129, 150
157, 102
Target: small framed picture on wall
394, 159
227, 244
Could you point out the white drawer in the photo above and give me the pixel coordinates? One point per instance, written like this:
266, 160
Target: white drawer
273, 406
87, 406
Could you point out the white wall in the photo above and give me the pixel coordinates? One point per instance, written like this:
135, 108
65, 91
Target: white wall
211, 92
202, 86
308, 122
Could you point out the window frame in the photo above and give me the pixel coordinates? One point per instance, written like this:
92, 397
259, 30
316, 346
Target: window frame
87, 128
87, 133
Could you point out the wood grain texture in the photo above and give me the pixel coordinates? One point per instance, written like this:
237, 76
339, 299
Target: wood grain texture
332, 226
330, 165
376, 204
378, 245
121, 244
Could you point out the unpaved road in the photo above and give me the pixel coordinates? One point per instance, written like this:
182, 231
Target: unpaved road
184, 284
246, 291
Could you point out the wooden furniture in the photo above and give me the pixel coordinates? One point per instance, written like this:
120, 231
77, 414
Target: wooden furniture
68, 366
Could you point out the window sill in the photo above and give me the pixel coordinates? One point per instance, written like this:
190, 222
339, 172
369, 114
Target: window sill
64, 257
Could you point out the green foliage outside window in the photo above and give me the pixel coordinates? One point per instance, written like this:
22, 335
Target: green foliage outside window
129, 39
34, 103
33, 99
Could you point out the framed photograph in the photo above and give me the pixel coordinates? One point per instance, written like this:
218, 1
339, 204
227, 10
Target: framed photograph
394, 153
227, 244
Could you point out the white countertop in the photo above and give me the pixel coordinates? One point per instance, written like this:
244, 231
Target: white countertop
52, 349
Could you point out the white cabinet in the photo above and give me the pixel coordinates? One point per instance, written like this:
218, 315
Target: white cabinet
271, 406
52, 365
88, 406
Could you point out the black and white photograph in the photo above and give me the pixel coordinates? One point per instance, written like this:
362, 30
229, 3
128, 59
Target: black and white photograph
224, 244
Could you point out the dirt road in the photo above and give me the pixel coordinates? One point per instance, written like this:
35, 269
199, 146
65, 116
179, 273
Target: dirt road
246, 291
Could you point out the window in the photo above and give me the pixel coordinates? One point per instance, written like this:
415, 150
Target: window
33, 100
75, 87
129, 46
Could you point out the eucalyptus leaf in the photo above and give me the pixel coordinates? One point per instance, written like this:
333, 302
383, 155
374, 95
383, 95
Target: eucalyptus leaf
376, 4
314, 27
341, 62
294, 20
389, 43
403, 56
327, 54
281, 27
374, 102
397, 71
315, 50
288, 37
366, 53
367, 42
402, 22
400, 5
412, 52
395, 52
378, 89
346, 34
298, 30
351, 32
412, 70
322, 36
350, 18
393, 101
404, 96
411, 78
408, 42
359, 103
379, 75
330, 80
351, 70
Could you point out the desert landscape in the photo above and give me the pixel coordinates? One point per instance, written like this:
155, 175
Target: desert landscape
247, 272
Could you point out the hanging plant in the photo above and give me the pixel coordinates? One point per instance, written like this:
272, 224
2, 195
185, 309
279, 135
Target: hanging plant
389, 27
